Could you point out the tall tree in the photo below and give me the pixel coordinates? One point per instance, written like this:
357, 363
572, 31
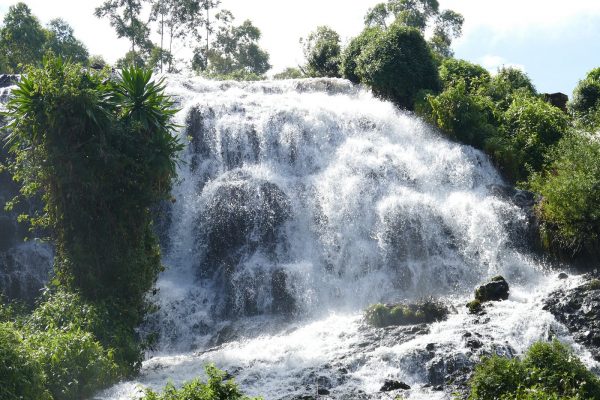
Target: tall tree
235, 49
421, 15
21, 38
124, 16
63, 43
322, 51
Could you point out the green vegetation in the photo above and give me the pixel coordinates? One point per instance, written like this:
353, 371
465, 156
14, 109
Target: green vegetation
218, 387
585, 105
397, 64
475, 306
382, 315
100, 153
547, 371
322, 51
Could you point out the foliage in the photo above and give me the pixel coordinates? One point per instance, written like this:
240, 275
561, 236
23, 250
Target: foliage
218, 387
97, 62
235, 50
289, 73
397, 65
353, 51
452, 71
468, 118
547, 371
571, 194
74, 363
585, 104
61, 41
21, 376
446, 25
102, 154
21, 38
322, 51
124, 16
507, 84
532, 126
381, 315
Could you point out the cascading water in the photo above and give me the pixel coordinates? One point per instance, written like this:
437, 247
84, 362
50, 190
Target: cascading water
302, 202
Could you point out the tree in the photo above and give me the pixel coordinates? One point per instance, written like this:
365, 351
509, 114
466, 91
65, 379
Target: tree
289, 73
509, 83
353, 51
234, 50
62, 42
585, 105
21, 38
322, 51
453, 71
421, 15
124, 16
397, 64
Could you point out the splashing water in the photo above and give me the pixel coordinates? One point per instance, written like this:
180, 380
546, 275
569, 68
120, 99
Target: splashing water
299, 204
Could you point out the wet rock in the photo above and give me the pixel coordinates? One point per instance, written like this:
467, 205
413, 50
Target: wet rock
382, 315
283, 301
495, 290
579, 310
7, 80
390, 385
322, 392
562, 276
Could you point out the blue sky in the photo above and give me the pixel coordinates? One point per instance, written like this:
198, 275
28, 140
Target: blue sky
555, 42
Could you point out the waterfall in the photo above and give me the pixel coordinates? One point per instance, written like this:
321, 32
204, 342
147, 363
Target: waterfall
301, 202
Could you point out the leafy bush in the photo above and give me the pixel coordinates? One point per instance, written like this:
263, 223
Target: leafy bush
508, 83
218, 387
381, 315
468, 118
547, 371
21, 376
474, 306
453, 71
532, 126
397, 65
570, 207
322, 51
74, 363
353, 51
585, 104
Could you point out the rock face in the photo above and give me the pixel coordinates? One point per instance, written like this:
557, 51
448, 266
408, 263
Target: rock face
559, 100
390, 385
8, 80
242, 220
579, 310
495, 290
525, 235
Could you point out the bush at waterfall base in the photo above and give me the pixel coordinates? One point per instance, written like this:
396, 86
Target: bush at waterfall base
218, 387
100, 151
382, 315
546, 371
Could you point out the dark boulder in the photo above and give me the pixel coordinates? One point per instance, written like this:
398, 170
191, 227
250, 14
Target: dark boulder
558, 100
495, 290
390, 385
579, 310
7, 80
382, 315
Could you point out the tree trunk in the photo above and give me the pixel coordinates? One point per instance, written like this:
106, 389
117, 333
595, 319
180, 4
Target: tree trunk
162, 35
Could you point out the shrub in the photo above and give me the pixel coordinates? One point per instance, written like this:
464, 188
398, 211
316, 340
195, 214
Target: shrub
75, 364
397, 65
547, 371
571, 195
465, 117
323, 53
453, 71
507, 83
21, 376
474, 306
381, 315
585, 104
218, 387
532, 126
353, 51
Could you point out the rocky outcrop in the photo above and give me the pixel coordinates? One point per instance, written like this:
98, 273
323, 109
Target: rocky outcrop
496, 289
382, 315
7, 80
558, 100
579, 310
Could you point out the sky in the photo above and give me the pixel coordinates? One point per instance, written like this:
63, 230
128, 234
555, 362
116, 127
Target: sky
555, 42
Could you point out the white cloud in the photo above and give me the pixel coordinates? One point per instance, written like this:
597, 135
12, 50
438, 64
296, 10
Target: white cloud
492, 63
